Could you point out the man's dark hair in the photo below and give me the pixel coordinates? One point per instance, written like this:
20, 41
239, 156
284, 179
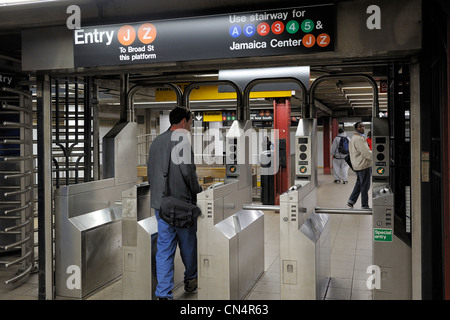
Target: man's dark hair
357, 124
178, 114
341, 130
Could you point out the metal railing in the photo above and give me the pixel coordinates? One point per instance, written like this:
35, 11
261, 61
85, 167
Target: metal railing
143, 145
16, 181
316, 210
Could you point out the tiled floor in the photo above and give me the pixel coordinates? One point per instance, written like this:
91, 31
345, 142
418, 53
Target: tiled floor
351, 254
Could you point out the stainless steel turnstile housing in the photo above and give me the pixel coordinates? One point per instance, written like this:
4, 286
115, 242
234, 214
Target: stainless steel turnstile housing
304, 235
230, 240
231, 251
138, 227
391, 254
304, 245
139, 237
88, 225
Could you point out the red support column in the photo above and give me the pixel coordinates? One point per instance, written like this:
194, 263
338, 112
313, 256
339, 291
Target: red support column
282, 123
326, 146
334, 128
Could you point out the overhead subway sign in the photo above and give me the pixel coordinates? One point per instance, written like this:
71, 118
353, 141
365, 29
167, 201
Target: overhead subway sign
267, 33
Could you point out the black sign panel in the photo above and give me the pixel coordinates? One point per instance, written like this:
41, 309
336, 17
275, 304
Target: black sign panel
275, 32
262, 115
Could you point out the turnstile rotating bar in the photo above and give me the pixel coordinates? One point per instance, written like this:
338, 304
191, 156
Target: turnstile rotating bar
343, 211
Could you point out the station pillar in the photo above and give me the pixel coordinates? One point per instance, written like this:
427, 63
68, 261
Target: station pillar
282, 123
334, 128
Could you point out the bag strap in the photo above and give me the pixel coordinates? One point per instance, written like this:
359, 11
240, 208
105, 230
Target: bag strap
166, 172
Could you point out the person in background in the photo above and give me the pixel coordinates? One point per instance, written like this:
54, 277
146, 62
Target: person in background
361, 158
369, 139
340, 166
182, 184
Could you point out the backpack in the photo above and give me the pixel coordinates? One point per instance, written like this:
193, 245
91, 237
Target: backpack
343, 145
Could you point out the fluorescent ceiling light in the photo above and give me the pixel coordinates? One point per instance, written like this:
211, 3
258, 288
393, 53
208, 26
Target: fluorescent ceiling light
22, 2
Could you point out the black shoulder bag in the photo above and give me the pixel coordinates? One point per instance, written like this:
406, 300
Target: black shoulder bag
176, 212
349, 162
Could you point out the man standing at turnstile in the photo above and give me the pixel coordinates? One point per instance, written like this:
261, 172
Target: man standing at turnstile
361, 158
182, 184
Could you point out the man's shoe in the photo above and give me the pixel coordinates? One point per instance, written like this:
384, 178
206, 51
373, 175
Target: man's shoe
344, 182
190, 285
336, 181
365, 207
349, 204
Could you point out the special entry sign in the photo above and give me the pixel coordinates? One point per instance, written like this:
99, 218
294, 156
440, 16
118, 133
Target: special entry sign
273, 32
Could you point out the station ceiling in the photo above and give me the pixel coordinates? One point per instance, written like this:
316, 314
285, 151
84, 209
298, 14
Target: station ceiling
343, 98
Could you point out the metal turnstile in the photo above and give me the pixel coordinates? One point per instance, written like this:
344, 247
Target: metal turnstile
304, 235
230, 240
304, 245
138, 227
16, 182
390, 254
88, 223
230, 244
139, 237
391, 251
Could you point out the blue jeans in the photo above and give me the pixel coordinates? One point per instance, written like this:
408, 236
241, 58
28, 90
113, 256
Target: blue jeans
362, 187
168, 237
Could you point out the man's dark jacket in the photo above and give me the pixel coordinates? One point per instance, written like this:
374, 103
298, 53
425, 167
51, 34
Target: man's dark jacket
183, 180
